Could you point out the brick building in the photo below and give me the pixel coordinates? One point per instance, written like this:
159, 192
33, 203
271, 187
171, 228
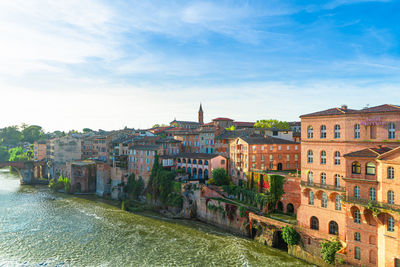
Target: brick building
349, 180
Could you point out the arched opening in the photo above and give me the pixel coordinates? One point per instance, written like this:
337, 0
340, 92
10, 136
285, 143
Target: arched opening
194, 173
206, 162
290, 208
205, 174
280, 166
333, 228
189, 171
184, 161
78, 187
200, 174
372, 256
280, 206
314, 223
200, 162
356, 167
278, 242
179, 160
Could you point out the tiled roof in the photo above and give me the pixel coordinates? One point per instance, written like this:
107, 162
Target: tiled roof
145, 147
168, 140
233, 134
295, 123
368, 152
186, 122
342, 111
197, 155
259, 140
243, 124
222, 119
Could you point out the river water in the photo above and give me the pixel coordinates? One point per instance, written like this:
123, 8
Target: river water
42, 228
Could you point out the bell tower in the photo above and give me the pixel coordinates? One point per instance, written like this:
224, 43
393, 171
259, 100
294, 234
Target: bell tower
201, 118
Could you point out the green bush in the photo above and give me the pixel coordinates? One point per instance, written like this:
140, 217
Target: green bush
329, 249
61, 183
220, 177
290, 236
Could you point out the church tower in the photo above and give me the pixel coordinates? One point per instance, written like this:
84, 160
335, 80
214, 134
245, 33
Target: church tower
201, 118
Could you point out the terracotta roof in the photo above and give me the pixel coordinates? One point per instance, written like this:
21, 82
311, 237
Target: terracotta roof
222, 119
342, 111
233, 134
197, 155
243, 123
259, 140
368, 152
208, 124
145, 147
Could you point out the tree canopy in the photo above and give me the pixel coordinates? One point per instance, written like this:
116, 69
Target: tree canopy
18, 154
87, 130
220, 177
159, 125
32, 133
271, 123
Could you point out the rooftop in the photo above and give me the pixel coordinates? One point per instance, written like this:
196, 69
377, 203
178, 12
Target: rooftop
260, 139
344, 111
368, 152
197, 155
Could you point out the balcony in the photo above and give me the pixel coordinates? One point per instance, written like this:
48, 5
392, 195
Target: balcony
374, 204
323, 186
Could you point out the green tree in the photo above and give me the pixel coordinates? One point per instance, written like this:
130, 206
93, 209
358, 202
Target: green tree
272, 124
87, 130
159, 125
32, 133
220, 177
18, 154
232, 128
134, 187
4, 156
10, 136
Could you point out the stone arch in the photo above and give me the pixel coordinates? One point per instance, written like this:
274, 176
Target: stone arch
290, 208
333, 228
372, 256
369, 217
280, 206
314, 223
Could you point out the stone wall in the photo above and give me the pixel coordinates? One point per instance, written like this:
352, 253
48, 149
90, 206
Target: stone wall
103, 179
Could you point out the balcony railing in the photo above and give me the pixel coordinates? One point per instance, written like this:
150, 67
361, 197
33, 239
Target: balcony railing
375, 204
323, 186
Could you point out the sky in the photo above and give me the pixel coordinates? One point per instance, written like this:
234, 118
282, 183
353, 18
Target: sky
70, 64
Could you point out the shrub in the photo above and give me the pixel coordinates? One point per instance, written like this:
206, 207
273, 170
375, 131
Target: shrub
220, 177
290, 236
329, 249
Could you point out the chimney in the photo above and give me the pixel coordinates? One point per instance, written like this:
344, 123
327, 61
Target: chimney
344, 107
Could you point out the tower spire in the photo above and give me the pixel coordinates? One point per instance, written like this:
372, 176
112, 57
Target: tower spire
201, 118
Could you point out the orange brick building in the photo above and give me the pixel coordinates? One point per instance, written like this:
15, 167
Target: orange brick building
348, 156
258, 152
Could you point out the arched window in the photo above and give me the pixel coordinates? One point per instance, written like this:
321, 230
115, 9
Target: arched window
184, 161
357, 253
392, 131
323, 178
390, 173
372, 194
390, 225
323, 157
323, 131
370, 168
338, 204
200, 162
310, 177
310, 157
390, 195
357, 216
337, 158
179, 160
356, 167
311, 198
357, 191
333, 228
314, 223
357, 237
357, 131
200, 174
337, 131
206, 174
206, 162
337, 180
324, 201
310, 132
189, 161
194, 161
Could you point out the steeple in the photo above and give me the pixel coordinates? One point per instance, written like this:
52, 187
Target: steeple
201, 118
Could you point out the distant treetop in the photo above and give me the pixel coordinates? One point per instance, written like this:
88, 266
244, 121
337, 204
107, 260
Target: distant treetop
272, 124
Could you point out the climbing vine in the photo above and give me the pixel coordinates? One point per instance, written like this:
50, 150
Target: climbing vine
329, 249
290, 236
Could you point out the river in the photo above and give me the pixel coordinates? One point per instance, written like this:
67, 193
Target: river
42, 228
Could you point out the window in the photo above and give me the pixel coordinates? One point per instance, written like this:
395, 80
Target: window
337, 131
390, 197
392, 131
337, 180
296, 147
357, 237
323, 178
390, 173
337, 158
370, 169
357, 131
254, 148
314, 223
253, 158
357, 216
296, 157
287, 157
287, 147
271, 148
324, 201
357, 191
372, 194
271, 157
323, 157
279, 148
338, 203
262, 148
253, 166
357, 253
356, 167
390, 226
271, 165
262, 166
310, 158
323, 131
311, 198
262, 157
333, 228
288, 165
310, 178
310, 132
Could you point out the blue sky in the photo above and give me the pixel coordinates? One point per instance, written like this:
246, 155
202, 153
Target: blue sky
109, 64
